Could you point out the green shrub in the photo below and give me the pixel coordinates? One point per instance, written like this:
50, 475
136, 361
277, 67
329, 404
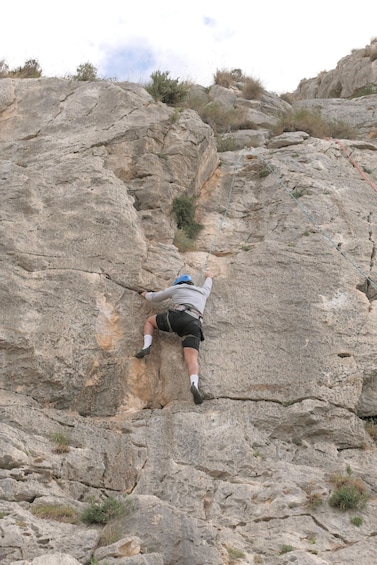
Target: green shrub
286, 549
30, 69
104, 512
85, 72
57, 512
350, 493
347, 497
357, 521
165, 89
184, 209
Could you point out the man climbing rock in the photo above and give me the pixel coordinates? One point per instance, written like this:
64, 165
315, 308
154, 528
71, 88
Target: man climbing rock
184, 319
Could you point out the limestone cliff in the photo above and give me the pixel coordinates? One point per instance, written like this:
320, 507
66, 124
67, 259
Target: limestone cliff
89, 172
354, 74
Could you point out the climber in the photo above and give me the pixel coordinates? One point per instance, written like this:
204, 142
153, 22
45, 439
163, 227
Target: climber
184, 319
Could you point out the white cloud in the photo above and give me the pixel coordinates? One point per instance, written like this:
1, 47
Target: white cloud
278, 42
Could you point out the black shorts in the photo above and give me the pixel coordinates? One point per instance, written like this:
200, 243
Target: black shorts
186, 326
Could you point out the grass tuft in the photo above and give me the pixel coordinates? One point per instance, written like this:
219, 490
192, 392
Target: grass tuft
312, 122
58, 512
61, 442
235, 553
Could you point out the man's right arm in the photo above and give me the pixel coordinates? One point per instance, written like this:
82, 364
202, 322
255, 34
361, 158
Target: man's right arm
160, 296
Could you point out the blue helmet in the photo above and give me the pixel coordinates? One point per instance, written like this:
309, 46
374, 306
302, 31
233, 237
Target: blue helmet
183, 279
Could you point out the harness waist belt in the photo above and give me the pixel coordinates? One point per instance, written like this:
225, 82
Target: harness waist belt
189, 309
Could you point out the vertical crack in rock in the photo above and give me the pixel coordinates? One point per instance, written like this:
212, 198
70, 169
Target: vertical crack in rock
366, 287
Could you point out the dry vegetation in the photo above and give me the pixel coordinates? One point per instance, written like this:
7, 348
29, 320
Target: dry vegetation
312, 122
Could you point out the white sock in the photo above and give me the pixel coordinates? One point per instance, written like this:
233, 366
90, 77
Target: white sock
147, 341
194, 380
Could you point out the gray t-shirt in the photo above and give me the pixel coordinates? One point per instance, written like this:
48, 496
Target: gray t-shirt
195, 296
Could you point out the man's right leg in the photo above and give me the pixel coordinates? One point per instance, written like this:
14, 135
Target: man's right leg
191, 356
149, 327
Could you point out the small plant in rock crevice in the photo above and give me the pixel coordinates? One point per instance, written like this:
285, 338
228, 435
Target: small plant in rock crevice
371, 427
349, 493
314, 499
297, 193
110, 534
357, 521
235, 553
286, 549
226, 144
61, 442
94, 561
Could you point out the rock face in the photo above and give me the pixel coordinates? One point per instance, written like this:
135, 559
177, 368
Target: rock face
353, 73
89, 172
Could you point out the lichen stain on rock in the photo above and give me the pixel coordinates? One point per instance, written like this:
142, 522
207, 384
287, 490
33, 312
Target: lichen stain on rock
108, 328
94, 376
142, 379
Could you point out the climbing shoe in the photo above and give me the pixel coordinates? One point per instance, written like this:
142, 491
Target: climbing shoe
143, 352
198, 399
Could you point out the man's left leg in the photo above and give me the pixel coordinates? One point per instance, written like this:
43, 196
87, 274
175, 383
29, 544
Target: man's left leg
149, 327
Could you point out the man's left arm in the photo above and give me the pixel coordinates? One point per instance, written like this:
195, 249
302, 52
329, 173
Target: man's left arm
208, 282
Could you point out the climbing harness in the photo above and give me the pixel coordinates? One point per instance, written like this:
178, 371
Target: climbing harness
190, 309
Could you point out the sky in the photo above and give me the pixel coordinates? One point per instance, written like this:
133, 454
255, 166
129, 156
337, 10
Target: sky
277, 42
